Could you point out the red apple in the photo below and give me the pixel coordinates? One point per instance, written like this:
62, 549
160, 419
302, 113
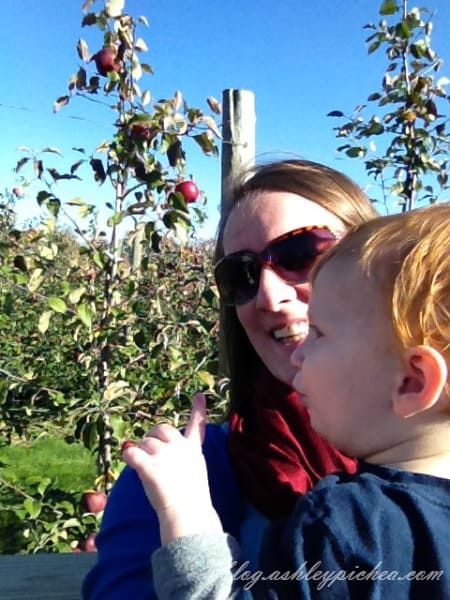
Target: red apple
105, 61
93, 502
141, 132
189, 190
18, 192
88, 545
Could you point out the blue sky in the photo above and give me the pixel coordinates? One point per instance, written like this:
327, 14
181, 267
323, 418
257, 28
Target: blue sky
300, 58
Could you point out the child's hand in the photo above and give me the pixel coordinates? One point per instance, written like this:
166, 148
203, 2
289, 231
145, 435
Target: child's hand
172, 470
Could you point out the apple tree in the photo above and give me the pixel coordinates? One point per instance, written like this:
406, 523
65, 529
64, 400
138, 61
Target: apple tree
126, 339
405, 142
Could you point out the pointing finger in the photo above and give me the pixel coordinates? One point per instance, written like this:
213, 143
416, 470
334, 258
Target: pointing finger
195, 429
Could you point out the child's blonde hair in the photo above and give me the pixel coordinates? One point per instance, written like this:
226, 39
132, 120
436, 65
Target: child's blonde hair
408, 256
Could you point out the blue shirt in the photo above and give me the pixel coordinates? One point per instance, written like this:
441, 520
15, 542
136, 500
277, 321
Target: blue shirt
381, 534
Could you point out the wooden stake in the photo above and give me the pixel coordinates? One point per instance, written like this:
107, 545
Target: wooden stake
238, 133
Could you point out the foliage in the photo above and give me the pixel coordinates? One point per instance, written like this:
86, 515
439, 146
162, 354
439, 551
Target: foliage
408, 125
166, 350
40, 496
106, 329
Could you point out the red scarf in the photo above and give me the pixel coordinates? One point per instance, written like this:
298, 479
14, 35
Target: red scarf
276, 453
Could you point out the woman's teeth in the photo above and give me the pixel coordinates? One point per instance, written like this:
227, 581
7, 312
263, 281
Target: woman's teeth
293, 333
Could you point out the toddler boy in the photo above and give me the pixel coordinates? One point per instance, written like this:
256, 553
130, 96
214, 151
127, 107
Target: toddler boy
373, 373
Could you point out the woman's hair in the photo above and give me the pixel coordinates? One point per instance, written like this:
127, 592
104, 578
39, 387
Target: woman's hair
326, 187
408, 259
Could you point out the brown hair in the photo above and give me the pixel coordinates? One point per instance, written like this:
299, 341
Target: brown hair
320, 184
408, 257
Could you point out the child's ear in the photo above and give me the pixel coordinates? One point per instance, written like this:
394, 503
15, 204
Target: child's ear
422, 380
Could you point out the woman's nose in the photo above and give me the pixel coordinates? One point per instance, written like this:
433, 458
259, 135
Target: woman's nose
274, 291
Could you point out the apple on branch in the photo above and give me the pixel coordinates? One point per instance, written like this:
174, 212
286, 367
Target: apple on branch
88, 545
189, 190
93, 501
140, 131
105, 61
18, 191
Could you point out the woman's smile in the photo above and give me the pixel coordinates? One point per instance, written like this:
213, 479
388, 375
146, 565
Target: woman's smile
294, 333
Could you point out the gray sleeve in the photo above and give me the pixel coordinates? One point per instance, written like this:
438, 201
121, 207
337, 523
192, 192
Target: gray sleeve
197, 567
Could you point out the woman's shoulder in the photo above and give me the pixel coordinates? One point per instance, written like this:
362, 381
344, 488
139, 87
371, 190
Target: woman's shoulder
216, 438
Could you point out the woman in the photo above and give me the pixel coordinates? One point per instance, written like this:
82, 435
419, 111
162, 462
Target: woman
281, 217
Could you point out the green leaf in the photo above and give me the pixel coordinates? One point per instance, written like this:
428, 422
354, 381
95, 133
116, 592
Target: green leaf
57, 304
374, 128
99, 171
35, 280
53, 206
403, 31
52, 150
73, 522
98, 260
174, 217
44, 320
389, 7
33, 507
212, 125
21, 163
114, 8
83, 50
60, 102
373, 47
43, 485
85, 314
85, 210
114, 390
140, 45
146, 97
115, 219
418, 50
356, 152
206, 378
90, 435
89, 19
76, 295
75, 202
43, 197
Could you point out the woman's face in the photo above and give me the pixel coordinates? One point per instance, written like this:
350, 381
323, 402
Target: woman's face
276, 319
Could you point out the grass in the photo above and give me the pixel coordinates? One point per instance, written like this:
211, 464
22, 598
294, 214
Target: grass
71, 466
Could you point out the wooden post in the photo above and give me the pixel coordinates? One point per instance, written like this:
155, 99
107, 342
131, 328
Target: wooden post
238, 135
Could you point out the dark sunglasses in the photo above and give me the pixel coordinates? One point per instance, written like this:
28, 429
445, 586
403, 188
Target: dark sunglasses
291, 256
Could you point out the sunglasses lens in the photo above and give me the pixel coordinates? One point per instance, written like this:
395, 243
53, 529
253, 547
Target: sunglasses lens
294, 257
237, 278
291, 257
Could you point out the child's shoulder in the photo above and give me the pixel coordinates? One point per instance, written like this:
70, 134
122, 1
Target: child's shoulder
374, 496
379, 520
381, 481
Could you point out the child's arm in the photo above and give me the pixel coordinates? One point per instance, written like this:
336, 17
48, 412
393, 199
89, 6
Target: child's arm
197, 557
173, 472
